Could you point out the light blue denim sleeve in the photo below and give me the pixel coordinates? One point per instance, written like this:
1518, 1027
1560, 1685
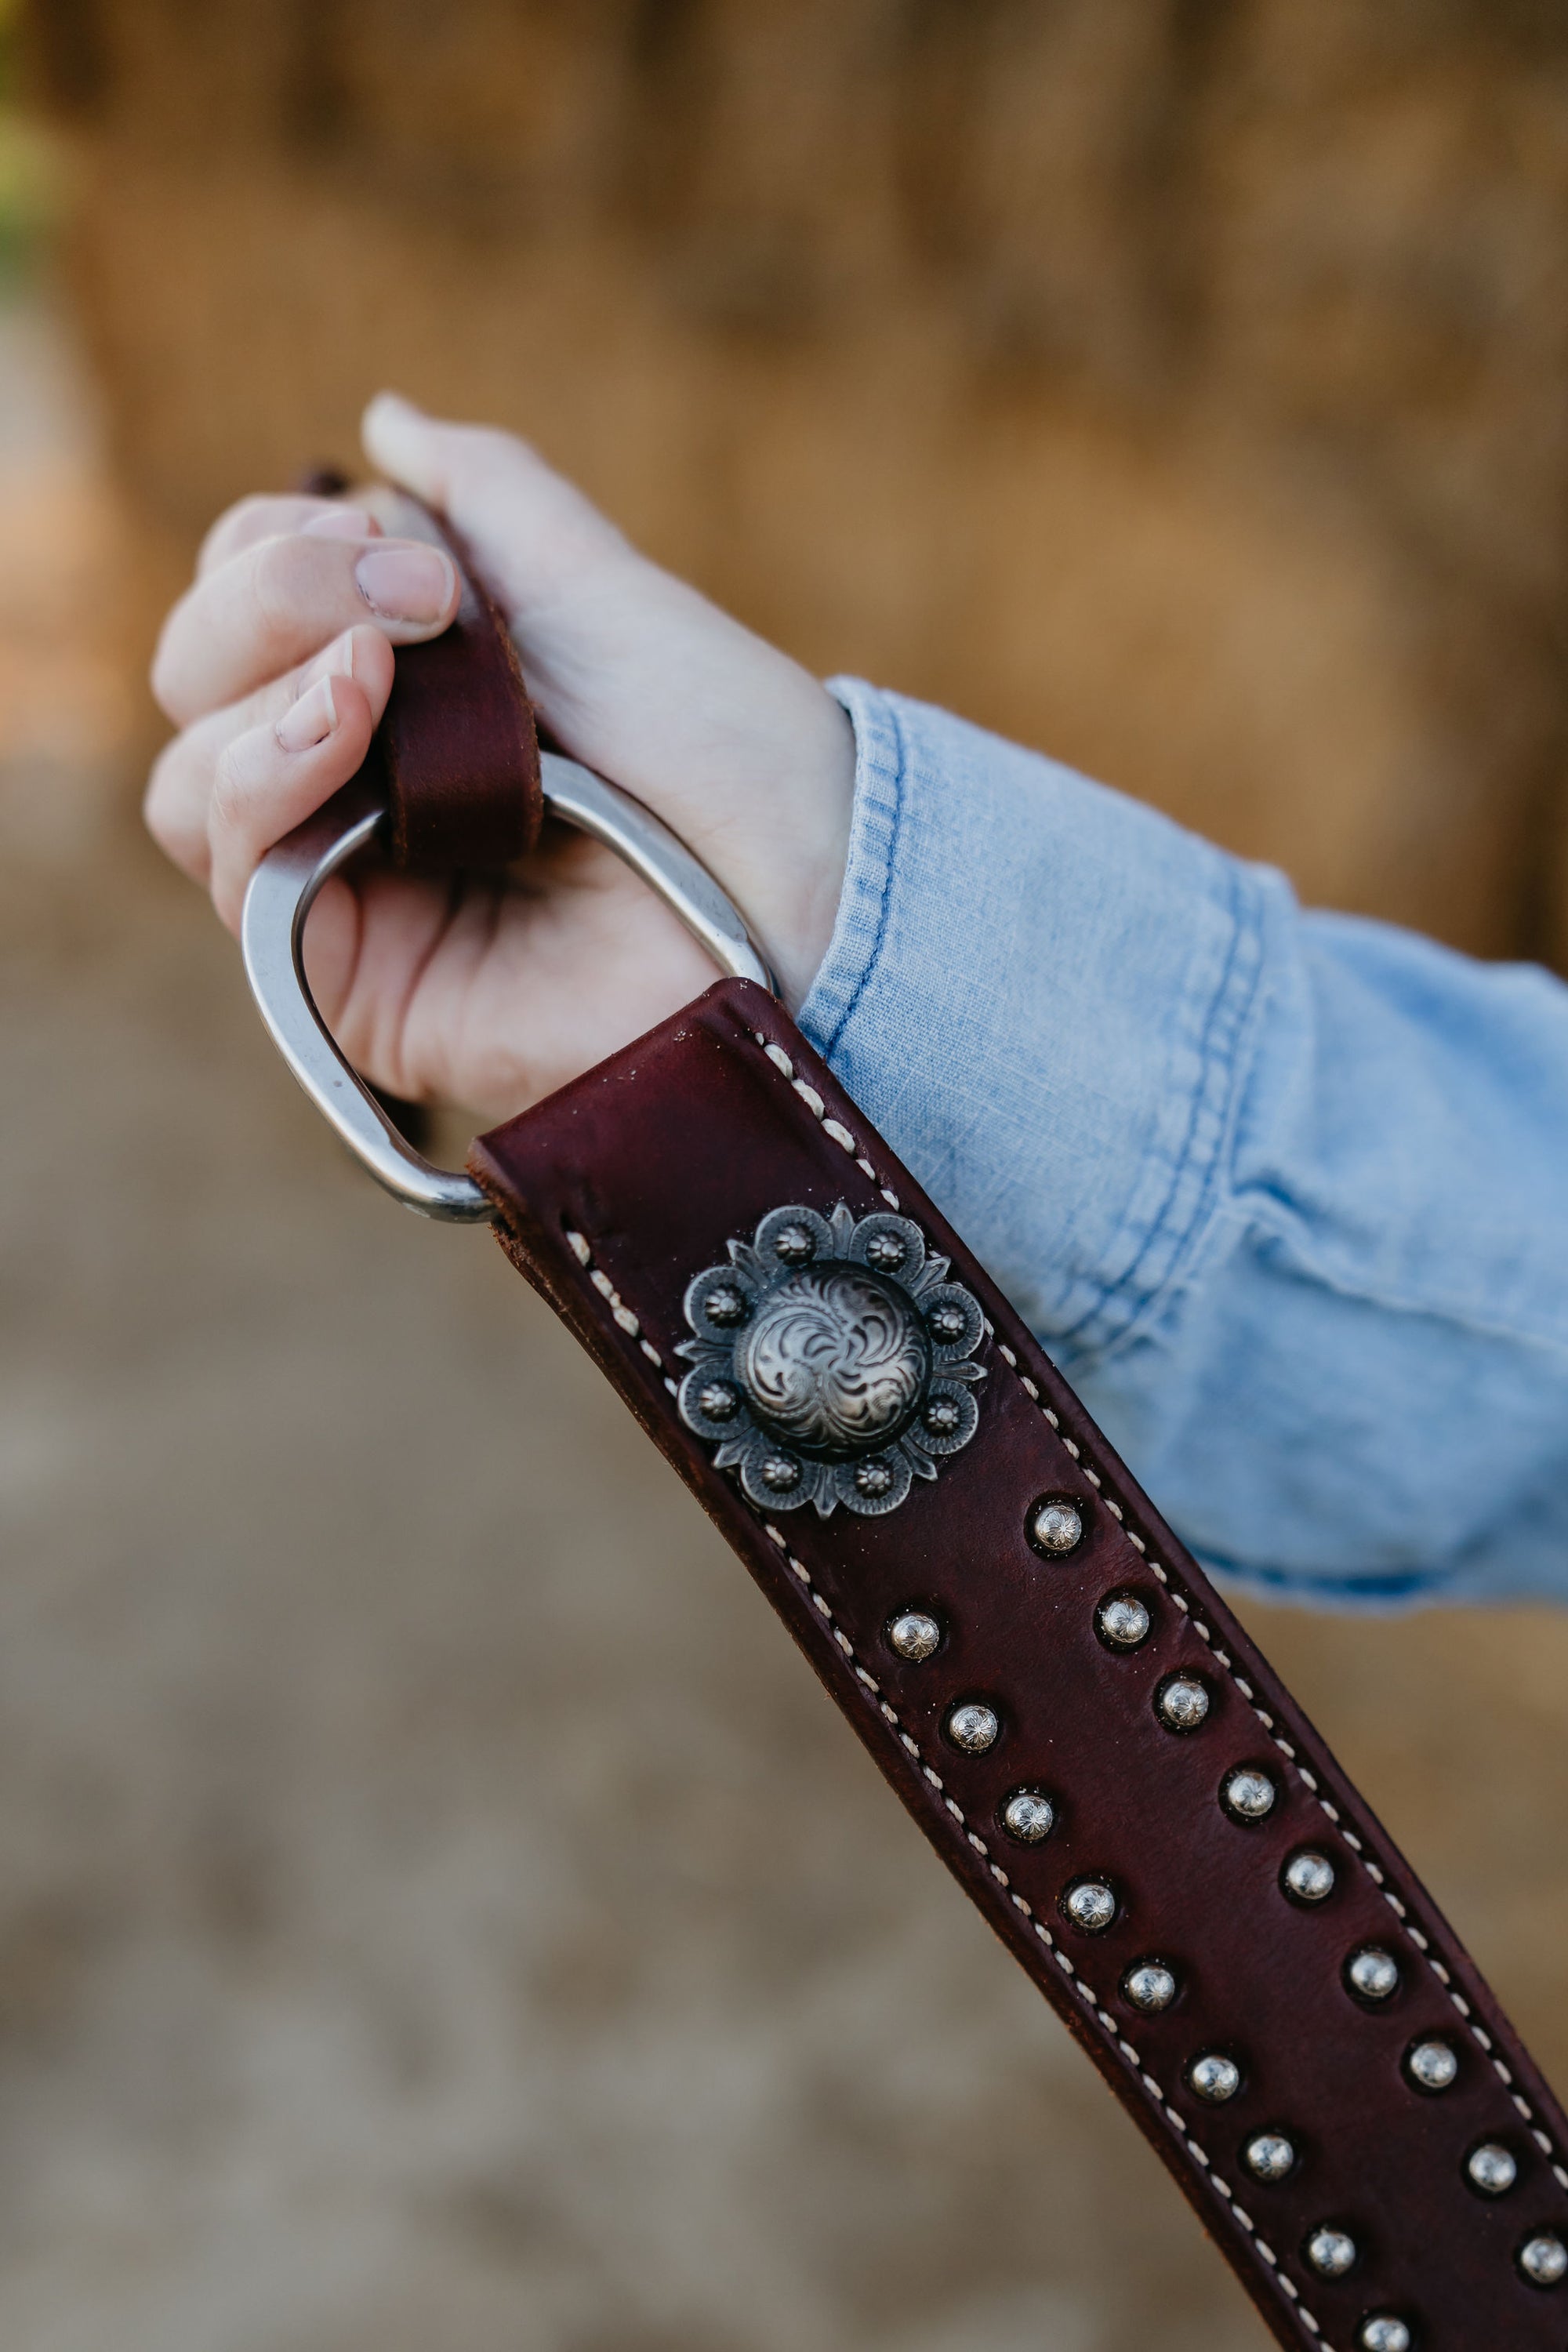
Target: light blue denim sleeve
1285, 1194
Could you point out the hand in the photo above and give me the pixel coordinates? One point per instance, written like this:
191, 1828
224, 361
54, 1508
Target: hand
275, 665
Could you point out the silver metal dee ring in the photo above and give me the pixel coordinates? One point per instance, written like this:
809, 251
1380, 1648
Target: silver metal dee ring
284, 886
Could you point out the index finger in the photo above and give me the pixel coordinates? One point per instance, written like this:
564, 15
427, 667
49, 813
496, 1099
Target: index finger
264, 516
280, 600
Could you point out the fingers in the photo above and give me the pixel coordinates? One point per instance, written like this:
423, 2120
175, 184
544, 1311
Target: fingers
734, 744
239, 780
275, 602
535, 535
178, 804
261, 518
269, 780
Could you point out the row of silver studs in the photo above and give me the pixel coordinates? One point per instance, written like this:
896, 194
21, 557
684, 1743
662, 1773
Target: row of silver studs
1381, 2333
1371, 1973
1374, 1870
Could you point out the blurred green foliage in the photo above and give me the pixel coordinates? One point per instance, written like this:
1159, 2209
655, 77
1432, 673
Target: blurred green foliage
31, 166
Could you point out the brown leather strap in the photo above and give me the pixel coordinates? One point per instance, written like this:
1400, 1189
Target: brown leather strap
612, 1197
456, 758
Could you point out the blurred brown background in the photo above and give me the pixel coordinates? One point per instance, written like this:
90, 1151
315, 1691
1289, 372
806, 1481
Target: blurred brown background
435, 1907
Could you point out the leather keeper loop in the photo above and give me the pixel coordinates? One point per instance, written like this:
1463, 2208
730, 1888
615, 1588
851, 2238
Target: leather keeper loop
456, 758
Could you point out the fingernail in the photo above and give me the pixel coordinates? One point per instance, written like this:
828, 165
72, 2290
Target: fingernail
336, 660
310, 720
341, 523
405, 584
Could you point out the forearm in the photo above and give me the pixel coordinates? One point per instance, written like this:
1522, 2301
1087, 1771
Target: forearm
1282, 1192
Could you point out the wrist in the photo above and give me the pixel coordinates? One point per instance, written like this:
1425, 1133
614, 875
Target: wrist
795, 894
744, 754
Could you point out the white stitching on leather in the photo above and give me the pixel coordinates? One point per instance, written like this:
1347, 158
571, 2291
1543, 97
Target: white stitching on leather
611, 1297
628, 1323
819, 1110
1020, 1903
1109, 2024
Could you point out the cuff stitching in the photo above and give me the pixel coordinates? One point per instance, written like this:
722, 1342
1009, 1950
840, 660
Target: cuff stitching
871, 866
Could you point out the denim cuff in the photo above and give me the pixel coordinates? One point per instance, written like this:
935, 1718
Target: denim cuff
1044, 994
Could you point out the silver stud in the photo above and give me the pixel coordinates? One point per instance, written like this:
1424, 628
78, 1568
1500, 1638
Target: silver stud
1384, 2332
1183, 1702
1124, 1621
1028, 1817
1269, 2157
1491, 2168
1214, 2078
973, 1728
1150, 1986
1431, 2065
795, 1245
947, 1322
1544, 2261
1331, 2252
1372, 1973
779, 1473
872, 1478
1091, 1904
725, 1304
1250, 1795
914, 1635
1057, 1527
1310, 1877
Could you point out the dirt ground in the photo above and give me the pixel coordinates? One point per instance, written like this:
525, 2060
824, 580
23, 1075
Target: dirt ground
436, 1907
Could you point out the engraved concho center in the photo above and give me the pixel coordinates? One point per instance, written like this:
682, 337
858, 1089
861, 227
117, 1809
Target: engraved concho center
835, 1362
832, 1360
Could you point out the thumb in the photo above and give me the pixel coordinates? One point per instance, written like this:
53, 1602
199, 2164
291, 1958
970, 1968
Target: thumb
533, 534
636, 674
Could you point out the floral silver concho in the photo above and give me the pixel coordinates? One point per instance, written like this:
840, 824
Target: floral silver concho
831, 1361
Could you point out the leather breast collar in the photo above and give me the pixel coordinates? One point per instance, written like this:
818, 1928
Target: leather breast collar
1040, 1669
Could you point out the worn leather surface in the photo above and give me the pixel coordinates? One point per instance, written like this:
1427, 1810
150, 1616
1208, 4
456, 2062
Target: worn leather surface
611, 1195
457, 747
456, 758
